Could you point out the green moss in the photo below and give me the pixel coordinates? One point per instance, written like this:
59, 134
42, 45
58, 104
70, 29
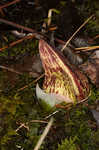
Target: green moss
73, 129
67, 144
86, 9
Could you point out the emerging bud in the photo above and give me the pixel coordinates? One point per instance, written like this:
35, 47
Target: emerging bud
63, 80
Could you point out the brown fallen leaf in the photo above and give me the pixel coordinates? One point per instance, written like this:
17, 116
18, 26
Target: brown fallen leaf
91, 68
29, 64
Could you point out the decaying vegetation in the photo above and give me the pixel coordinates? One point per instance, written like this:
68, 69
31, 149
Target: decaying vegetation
23, 117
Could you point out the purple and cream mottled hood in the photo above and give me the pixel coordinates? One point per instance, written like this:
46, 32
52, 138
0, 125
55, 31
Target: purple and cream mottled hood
62, 79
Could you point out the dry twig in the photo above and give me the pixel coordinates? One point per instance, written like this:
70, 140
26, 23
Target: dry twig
17, 42
34, 81
9, 3
21, 126
44, 134
38, 121
10, 69
20, 26
89, 48
76, 32
25, 125
52, 114
96, 37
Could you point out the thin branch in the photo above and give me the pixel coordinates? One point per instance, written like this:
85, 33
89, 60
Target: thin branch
97, 36
10, 69
87, 48
2, 13
25, 125
18, 26
76, 32
38, 121
52, 114
44, 134
25, 38
17, 42
34, 81
8, 4
21, 126
41, 76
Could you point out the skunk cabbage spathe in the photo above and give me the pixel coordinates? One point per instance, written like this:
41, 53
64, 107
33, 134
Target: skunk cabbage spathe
62, 80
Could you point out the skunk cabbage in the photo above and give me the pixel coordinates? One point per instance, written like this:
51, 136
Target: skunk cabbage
63, 82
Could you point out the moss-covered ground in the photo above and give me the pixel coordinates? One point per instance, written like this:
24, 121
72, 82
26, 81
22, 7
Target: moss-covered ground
22, 118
